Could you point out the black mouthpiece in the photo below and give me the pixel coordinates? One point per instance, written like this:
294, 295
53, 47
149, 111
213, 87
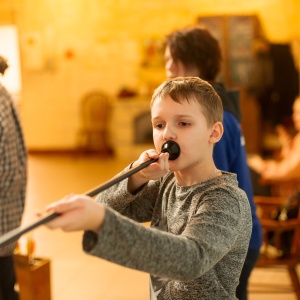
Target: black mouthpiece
172, 148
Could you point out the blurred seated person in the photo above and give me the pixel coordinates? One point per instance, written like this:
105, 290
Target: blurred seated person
287, 166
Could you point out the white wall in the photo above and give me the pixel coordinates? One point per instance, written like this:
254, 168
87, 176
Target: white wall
9, 49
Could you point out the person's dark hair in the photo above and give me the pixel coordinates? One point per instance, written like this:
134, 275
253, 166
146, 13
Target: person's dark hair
192, 89
194, 46
3, 65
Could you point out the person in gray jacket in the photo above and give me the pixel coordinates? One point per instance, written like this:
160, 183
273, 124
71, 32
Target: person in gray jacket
200, 219
13, 182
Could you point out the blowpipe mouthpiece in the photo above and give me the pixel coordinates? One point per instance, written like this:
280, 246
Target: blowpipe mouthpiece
172, 148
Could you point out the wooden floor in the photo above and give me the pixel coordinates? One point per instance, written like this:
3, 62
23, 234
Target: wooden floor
77, 276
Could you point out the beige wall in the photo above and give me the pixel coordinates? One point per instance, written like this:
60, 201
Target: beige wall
70, 47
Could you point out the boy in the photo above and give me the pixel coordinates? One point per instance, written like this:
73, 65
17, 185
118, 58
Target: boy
193, 51
200, 219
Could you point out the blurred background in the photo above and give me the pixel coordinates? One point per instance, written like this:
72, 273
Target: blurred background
82, 73
61, 51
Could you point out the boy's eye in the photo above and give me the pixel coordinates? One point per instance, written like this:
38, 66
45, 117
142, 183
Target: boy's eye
184, 124
159, 125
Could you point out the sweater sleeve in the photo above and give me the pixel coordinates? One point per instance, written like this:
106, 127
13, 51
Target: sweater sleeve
209, 236
138, 207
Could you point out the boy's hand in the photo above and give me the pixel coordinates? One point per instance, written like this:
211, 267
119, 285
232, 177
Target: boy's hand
157, 169
77, 212
152, 172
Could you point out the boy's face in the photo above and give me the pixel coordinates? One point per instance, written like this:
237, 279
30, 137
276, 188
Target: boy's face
177, 68
185, 124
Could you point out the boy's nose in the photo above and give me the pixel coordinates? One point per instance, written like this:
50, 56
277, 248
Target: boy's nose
169, 133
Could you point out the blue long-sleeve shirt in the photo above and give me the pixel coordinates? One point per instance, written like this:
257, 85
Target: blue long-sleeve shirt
230, 155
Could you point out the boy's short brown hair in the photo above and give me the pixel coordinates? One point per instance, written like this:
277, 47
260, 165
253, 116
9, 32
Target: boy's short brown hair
192, 88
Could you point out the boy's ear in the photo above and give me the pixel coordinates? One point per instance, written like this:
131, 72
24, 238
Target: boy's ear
216, 133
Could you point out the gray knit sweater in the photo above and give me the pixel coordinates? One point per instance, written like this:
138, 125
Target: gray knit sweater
197, 242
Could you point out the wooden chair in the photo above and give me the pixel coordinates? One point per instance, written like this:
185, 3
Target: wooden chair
282, 188
95, 115
272, 233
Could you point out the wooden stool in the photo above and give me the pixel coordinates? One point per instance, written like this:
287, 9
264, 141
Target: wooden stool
33, 278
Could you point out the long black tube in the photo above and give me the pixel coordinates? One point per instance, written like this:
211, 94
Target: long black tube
171, 147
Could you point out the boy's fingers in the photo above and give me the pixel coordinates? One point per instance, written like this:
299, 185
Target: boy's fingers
152, 154
60, 206
164, 161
